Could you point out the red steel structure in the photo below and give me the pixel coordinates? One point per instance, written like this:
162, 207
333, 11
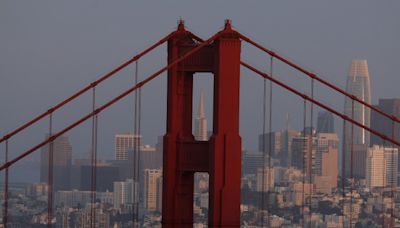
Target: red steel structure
183, 155
221, 155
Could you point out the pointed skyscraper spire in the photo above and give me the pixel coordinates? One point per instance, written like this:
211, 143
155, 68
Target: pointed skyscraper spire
201, 111
200, 125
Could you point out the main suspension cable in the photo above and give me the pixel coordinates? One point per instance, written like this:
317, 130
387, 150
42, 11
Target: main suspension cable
88, 87
312, 75
318, 103
109, 103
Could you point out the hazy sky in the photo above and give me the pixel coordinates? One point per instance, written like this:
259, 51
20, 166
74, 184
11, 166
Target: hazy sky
50, 49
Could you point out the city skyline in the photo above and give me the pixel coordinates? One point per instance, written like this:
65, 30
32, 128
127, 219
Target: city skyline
157, 163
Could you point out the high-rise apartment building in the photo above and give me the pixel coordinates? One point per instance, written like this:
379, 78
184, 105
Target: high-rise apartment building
381, 166
325, 122
391, 166
200, 122
358, 84
152, 189
62, 161
273, 141
265, 179
150, 158
326, 171
124, 143
123, 193
317, 155
251, 162
304, 150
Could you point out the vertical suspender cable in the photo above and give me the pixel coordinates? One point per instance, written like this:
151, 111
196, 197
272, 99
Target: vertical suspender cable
394, 181
50, 175
303, 161
384, 176
5, 215
135, 159
351, 166
310, 151
263, 150
93, 162
270, 166
95, 168
344, 149
138, 145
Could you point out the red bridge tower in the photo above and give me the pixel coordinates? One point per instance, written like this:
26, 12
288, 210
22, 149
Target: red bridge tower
221, 155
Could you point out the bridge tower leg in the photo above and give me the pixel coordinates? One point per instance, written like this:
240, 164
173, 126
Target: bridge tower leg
221, 155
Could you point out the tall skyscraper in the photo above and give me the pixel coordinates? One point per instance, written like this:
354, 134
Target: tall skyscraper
200, 122
358, 84
124, 143
383, 124
325, 122
381, 166
359, 160
152, 189
62, 161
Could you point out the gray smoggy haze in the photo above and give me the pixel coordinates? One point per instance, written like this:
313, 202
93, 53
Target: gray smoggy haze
50, 49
